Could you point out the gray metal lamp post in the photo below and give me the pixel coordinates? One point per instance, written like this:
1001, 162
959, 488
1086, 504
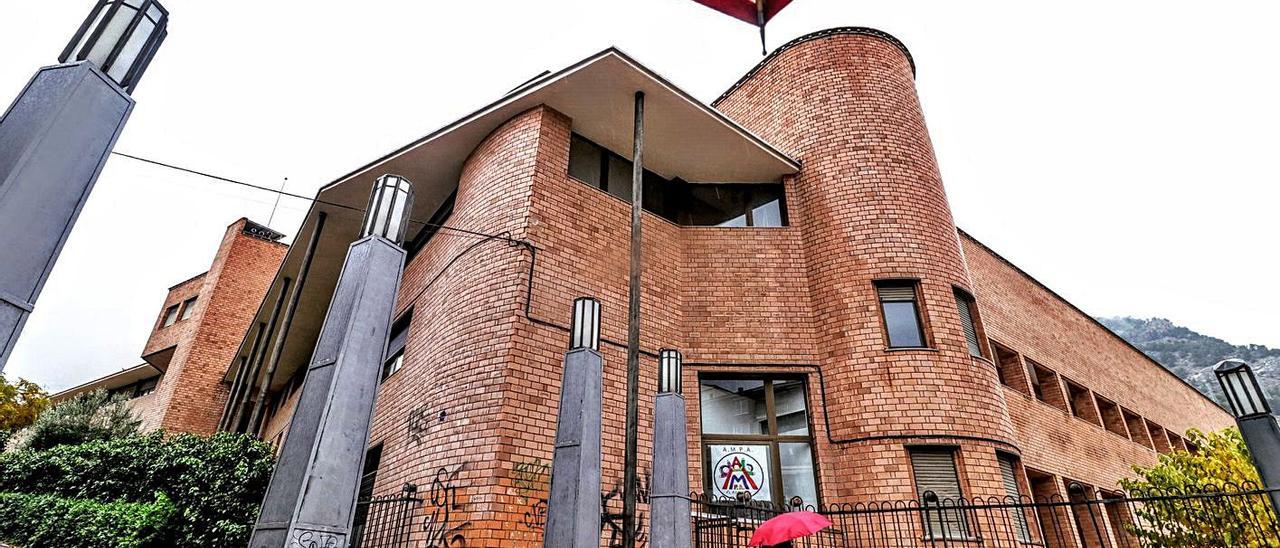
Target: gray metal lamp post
1257, 425
312, 496
573, 507
54, 140
669, 506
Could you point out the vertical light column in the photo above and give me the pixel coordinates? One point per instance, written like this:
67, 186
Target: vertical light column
573, 508
312, 496
669, 506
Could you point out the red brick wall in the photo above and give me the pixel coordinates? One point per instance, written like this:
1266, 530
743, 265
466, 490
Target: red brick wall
470, 418
1033, 321
872, 206
191, 395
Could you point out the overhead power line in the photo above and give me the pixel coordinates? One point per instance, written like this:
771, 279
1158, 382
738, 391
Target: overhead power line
280, 192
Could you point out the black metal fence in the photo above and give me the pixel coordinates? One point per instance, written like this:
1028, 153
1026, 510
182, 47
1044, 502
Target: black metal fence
1229, 516
384, 521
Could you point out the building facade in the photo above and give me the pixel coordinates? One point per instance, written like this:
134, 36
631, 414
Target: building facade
179, 387
842, 338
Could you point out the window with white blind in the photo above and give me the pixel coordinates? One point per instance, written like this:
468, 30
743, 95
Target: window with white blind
935, 472
901, 312
968, 320
395, 345
1013, 495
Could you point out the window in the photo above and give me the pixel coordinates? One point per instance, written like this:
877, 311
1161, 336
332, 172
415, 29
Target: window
683, 203
1080, 400
188, 307
1158, 437
1112, 420
368, 476
1045, 384
145, 387
902, 324
1009, 368
1013, 495
429, 230
1137, 428
755, 436
395, 345
968, 320
934, 469
170, 316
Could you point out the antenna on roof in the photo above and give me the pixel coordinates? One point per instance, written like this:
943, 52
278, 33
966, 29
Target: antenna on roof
272, 217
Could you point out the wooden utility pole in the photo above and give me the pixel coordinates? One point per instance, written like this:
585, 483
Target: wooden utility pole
633, 334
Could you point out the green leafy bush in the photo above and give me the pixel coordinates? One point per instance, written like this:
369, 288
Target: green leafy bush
1220, 464
87, 417
36, 521
216, 482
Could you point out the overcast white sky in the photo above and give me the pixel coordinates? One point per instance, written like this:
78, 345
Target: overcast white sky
1121, 152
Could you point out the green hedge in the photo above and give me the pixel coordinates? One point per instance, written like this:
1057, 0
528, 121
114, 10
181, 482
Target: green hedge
36, 521
215, 482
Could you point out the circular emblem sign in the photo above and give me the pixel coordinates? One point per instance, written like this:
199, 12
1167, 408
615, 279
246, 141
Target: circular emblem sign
738, 471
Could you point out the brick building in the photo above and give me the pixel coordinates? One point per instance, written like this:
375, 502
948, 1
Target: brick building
178, 386
837, 328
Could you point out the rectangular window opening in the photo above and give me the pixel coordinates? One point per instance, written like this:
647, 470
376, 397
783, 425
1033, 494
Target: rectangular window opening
368, 477
395, 345
188, 307
1080, 400
1137, 428
1158, 437
758, 424
1018, 517
901, 313
1010, 368
968, 308
1045, 383
1112, 419
934, 470
681, 202
170, 316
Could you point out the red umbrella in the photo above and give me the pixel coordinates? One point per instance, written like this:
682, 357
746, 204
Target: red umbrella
756, 12
788, 526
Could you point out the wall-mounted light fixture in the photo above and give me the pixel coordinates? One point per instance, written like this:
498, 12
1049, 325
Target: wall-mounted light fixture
1244, 394
670, 367
120, 37
584, 331
389, 205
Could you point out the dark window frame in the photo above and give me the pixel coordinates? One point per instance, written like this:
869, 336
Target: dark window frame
945, 511
671, 198
967, 302
1022, 518
397, 341
773, 440
187, 307
919, 309
169, 315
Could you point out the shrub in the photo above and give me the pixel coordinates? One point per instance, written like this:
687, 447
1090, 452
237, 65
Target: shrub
1220, 464
20, 403
87, 417
216, 482
36, 521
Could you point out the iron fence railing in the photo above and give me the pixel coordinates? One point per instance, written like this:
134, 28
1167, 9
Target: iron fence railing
1225, 516
384, 521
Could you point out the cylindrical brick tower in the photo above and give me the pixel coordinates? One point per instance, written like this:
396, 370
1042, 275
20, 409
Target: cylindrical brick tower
872, 208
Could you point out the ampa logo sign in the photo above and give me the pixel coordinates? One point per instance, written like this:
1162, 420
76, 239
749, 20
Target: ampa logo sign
740, 469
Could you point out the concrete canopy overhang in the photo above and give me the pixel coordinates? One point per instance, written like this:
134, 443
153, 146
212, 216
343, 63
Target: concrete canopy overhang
124, 377
683, 138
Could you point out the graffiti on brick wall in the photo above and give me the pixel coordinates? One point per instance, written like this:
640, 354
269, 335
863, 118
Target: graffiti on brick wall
443, 527
532, 482
611, 503
419, 423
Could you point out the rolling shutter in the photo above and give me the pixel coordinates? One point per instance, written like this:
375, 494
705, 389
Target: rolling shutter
935, 470
1017, 515
903, 292
965, 305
